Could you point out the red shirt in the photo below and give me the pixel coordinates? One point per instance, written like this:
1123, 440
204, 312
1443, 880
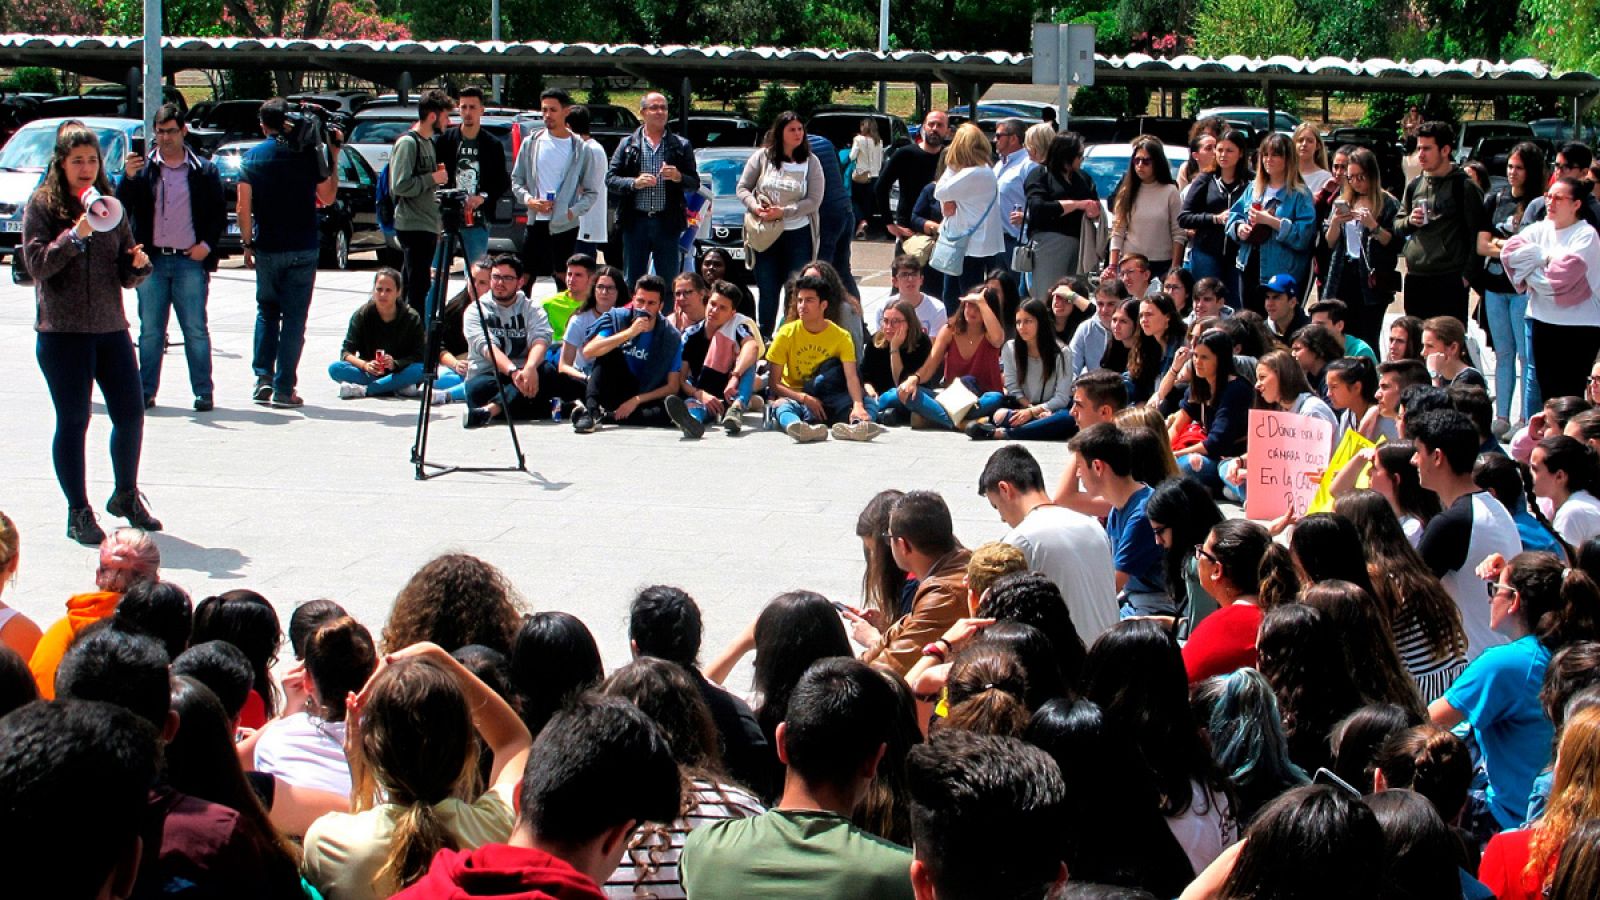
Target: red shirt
1223, 642
1504, 863
503, 872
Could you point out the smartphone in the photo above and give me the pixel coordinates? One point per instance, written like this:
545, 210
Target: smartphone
136, 145
1341, 207
841, 607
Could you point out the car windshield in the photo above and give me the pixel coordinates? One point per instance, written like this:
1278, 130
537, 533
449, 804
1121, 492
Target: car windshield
723, 174
240, 118
29, 150
378, 131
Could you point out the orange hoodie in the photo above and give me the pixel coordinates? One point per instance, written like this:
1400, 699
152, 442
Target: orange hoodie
82, 611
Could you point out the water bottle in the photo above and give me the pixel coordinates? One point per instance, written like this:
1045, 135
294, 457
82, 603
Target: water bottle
555, 410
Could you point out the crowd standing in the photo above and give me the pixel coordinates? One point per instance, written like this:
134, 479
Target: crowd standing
1394, 696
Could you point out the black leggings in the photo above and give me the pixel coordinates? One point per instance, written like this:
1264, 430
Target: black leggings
73, 364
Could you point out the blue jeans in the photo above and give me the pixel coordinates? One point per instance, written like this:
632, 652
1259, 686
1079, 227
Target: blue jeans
788, 255
747, 386
175, 283
973, 270
923, 404
648, 238
1532, 397
284, 282
348, 373
1205, 265
1507, 328
1056, 426
475, 243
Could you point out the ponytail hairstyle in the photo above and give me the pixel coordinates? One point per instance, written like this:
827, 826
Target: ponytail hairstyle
246, 620
416, 747
1573, 457
1409, 493
340, 657
883, 579
1572, 669
1241, 715
1431, 761
1573, 797
1255, 563
1585, 421
1357, 738
1558, 604
127, 557
307, 618
1368, 643
986, 693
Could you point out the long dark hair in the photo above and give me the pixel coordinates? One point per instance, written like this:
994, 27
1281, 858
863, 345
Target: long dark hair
1368, 643
1185, 507
1533, 171
1328, 547
1044, 341
1145, 351
1128, 188
1241, 169
58, 198
1314, 842
774, 144
1175, 325
1413, 498
886, 810
246, 620
794, 630
201, 762
1405, 587
553, 659
1559, 605
883, 579
1299, 652
1135, 673
1221, 346
1423, 856
1066, 148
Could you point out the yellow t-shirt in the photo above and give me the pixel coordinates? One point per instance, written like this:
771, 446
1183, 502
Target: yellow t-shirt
800, 353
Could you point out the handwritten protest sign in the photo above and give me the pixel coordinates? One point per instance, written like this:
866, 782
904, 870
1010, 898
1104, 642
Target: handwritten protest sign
1286, 451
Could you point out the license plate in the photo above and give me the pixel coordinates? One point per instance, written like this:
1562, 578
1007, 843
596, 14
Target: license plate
233, 227
11, 227
736, 252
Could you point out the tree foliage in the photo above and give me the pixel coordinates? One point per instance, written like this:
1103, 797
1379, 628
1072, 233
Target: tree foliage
1565, 34
50, 17
1251, 28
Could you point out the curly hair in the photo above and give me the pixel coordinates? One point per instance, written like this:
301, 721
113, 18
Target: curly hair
454, 600
1301, 656
1572, 798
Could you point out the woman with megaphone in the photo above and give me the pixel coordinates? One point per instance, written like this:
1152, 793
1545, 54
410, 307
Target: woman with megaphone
81, 254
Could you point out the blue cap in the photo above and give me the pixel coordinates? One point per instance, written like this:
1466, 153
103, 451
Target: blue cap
1283, 284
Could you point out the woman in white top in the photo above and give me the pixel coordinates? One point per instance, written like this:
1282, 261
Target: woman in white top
968, 193
415, 762
1564, 470
782, 182
866, 154
1557, 262
1038, 383
306, 748
1312, 155
666, 693
1144, 215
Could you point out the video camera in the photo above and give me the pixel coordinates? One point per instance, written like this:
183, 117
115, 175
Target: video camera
452, 207
303, 130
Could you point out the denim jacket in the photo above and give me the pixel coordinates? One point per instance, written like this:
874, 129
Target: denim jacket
1288, 251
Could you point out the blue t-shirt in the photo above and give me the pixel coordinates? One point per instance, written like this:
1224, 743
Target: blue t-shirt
638, 351
1133, 545
1499, 696
283, 193
1535, 536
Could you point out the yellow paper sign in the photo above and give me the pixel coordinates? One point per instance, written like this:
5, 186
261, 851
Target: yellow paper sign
1352, 443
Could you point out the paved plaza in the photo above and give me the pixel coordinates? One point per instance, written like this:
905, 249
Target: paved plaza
322, 502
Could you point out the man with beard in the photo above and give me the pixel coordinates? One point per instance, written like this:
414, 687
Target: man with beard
517, 336
912, 168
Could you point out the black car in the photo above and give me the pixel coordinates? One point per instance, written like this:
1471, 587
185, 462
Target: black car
720, 168
227, 122
609, 124
349, 224
711, 130
1390, 153
840, 125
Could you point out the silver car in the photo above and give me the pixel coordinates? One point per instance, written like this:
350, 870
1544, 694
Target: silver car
26, 156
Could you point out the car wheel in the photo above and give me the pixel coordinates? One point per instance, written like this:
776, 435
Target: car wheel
336, 252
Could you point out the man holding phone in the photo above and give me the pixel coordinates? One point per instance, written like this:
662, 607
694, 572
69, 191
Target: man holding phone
653, 171
638, 363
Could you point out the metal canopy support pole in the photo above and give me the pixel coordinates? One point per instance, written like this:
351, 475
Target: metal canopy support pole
685, 102
494, 34
883, 48
152, 66
1272, 106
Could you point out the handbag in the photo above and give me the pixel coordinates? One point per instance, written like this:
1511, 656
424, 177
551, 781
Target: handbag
761, 234
919, 246
950, 252
1022, 255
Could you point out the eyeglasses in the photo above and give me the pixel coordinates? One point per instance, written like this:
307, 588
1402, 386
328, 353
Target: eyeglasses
168, 131
1159, 530
1493, 589
499, 277
655, 106
1594, 380
1201, 551
1355, 175
1142, 161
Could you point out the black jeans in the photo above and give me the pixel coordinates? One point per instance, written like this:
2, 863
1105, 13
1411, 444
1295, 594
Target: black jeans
612, 383
545, 253
1439, 295
73, 364
417, 248
1563, 356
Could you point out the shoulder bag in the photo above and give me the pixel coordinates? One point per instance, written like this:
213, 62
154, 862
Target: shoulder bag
950, 251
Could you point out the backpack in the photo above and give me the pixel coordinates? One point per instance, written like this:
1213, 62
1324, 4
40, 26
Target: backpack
385, 199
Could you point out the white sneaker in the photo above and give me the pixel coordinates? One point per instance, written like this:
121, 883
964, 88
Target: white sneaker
439, 398
349, 391
410, 391
807, 434
858, 431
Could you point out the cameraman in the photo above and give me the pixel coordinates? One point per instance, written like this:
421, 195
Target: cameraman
281, 233
415, 173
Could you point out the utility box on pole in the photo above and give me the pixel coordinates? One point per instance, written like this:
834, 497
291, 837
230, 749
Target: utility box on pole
1063, 55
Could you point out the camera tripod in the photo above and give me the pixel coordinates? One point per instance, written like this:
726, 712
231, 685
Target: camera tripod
452, 204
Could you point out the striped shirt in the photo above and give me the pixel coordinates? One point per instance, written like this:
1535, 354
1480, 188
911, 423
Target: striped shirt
634, 878
1432, 675
651, 157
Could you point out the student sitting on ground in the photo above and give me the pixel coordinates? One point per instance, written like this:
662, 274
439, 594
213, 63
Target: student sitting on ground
720, 352
455, 361
1333, 314
1106, 466
638, 363
814, 364
1038, 396
518, 334
892, 362
1097, 397
905, 273
383, 346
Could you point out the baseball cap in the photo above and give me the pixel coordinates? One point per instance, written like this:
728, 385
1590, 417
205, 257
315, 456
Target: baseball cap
1283, 284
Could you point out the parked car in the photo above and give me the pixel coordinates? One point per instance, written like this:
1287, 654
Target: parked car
709, 130
349, 224
1494, 151
1094, 129
1468, 134
1000, 108
226, 122
840, 124
609, 124
376, 127
348, 102
26, 156
719, 169
1106, 163
1381, 141
1253, 116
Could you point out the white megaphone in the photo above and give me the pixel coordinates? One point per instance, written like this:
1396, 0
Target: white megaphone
105, 213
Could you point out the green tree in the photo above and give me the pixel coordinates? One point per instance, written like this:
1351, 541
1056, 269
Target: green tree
1252, 28
200, 18
1565, 35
